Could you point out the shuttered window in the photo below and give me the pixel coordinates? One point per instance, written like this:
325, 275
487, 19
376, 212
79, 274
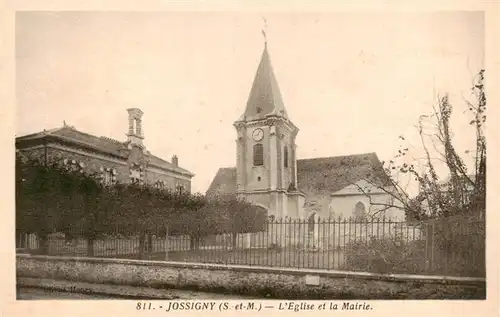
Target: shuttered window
258, 155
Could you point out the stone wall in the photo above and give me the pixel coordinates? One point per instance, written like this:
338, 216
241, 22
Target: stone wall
258, 281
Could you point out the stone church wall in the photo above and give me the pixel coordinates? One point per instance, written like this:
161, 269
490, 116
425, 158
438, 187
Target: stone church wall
259, 199
344, 206
316, 203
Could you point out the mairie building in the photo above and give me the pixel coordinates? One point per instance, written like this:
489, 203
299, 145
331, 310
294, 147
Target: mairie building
113, 161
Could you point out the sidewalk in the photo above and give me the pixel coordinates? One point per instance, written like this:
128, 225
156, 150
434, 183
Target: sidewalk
118, 291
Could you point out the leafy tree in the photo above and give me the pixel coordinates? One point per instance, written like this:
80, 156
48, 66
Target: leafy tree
53, 197
245, 218
202, 217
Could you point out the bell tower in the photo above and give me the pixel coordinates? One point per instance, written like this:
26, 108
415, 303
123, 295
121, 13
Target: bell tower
266, 172
135, 134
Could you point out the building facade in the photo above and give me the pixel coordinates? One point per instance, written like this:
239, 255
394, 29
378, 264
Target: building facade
268, 173
113, 161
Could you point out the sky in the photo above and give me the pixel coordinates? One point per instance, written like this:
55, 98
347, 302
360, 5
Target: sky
352, 82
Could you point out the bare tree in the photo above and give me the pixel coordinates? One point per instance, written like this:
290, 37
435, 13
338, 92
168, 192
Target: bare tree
463, 191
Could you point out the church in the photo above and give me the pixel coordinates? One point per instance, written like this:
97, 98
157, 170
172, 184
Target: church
268, 173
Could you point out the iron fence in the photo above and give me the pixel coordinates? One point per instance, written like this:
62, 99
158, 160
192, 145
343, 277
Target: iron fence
451, 246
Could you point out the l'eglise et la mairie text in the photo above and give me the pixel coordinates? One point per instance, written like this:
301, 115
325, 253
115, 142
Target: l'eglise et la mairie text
296, 307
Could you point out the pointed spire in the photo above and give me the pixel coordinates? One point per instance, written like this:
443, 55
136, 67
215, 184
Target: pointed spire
264, 29
265, 96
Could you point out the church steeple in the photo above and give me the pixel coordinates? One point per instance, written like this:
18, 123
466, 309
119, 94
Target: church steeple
265, 97
266, 171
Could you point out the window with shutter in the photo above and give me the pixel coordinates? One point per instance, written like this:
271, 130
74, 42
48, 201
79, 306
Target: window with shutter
258, 155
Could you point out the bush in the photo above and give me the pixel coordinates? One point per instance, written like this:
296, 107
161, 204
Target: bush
460, 249
386, 255
450, 249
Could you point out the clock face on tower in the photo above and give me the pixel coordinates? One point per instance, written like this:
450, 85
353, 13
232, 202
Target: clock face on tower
257, 134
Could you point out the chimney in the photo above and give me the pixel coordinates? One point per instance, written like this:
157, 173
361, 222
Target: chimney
175, 160
135, 134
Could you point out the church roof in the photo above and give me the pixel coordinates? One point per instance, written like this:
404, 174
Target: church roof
107, 145
265, 96
317, 175
360, 188
224, 182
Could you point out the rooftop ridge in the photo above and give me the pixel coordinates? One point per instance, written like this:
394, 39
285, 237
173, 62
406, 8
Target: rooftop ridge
170, 164
43, 132
110, 139
337, 156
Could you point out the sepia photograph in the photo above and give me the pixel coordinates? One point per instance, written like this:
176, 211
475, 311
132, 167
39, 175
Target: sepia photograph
195, 157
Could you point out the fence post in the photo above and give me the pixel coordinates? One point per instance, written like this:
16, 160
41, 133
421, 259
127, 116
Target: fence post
429, 245
166, 243
433, 244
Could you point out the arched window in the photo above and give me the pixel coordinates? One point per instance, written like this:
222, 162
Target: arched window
108, 176
180, 189
360, 211
285, 157
135, 176
134, 126
258, 155
160, 184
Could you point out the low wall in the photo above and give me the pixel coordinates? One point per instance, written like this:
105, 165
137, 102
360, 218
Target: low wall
285, 283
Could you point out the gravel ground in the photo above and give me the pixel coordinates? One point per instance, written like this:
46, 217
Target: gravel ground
32, 288
36, 293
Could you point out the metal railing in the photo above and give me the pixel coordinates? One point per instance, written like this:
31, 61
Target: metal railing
450, 246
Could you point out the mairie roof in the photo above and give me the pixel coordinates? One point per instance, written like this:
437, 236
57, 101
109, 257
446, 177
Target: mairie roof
69, 134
